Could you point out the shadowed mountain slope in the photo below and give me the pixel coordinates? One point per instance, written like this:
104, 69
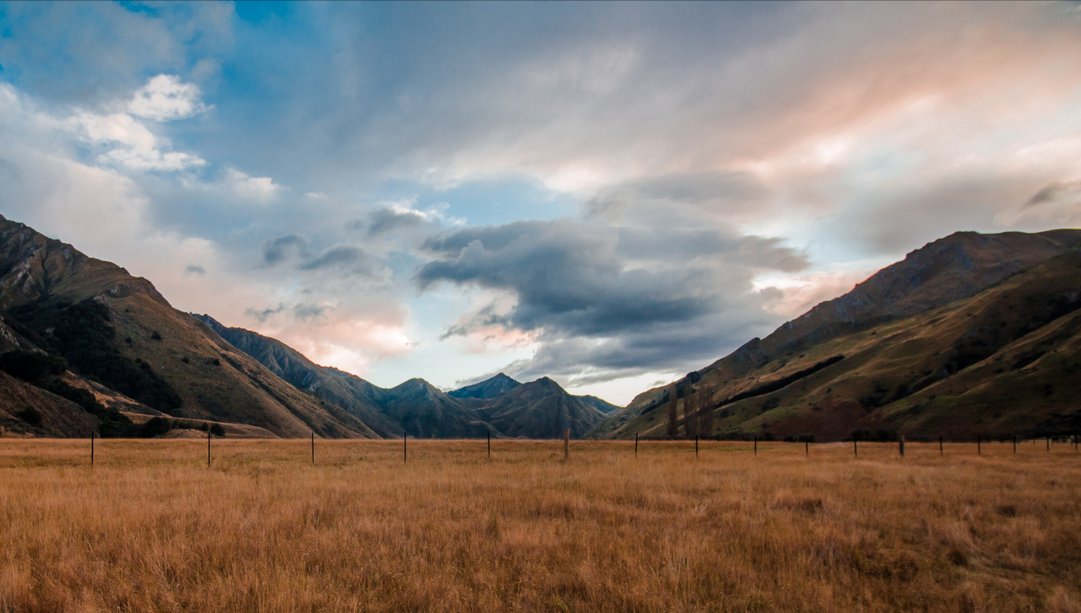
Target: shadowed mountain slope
540, 409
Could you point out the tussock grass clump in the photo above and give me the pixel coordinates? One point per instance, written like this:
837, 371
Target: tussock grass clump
150, 528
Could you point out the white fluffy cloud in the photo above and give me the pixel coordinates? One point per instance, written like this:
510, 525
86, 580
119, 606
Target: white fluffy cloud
254, 189
123, 139
165, 98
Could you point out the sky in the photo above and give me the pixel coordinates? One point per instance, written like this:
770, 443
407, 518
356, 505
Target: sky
608, 194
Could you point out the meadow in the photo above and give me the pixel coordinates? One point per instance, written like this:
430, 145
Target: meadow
151, 528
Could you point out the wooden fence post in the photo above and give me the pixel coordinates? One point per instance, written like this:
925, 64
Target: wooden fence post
208, 446
313, 448
1048, 443
756, 444
566, 444
696, 447
91, 448
405, 447
901, 444
1015, 444
489, 444
978, 449
806, 446
940, 444
636, 444
855, 446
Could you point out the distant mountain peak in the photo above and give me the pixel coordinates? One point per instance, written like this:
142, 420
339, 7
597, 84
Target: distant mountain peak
487, 389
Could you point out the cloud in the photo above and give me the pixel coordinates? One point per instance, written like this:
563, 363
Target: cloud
283, 248
166, 98
1055, 192
348, 258
124, 141
255, 189
262, 315
384, 221
194, 269
1055, 204
308, 312
292, 247
611, 298
723, 195
404, 215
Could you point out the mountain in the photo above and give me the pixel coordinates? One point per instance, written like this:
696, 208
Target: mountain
72, 324
424, 411
540, 409
414, 407
349, 392
487, 389
971, 334
601, 405
499, 405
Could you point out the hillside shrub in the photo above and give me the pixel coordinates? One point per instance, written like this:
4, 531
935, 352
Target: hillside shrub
31, 366
157, 426
30, 416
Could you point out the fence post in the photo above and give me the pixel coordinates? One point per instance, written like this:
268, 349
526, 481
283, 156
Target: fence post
1048, 443
91, 448
208, 447
1015, 444
405, 447
489, 444
313, 448
940, 444
566, 444
696, 446
855, 446
901, 444
636, 444
978, 449
806, 446
756, 444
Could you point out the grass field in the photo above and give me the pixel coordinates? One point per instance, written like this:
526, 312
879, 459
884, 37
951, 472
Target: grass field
151, 528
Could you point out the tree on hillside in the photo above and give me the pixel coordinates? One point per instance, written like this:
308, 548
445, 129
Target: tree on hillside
690, 413
705, 413
673, 412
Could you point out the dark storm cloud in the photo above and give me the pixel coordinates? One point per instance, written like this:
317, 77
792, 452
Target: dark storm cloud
285, 247
384, 221
345, 257
296, 249
613, 299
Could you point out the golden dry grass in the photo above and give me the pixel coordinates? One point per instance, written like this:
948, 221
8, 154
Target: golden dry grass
150, 528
